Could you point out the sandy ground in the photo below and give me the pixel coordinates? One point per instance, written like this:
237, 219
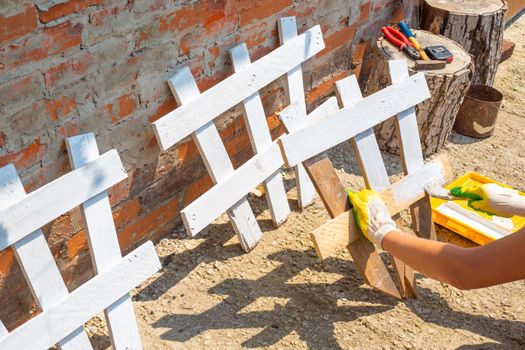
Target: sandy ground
210, 295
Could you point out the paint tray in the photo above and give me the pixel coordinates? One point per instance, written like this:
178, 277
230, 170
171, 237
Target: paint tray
476, 226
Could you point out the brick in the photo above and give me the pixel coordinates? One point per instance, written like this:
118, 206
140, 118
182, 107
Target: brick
71, 70
48, 42
204, 13
127, 212
77, 244
124, 106
19, 93
63, 9
364, 12
60, 106
2, 139
163, 109
197, 189
340, 38
324, 89
262, 9
148, 223
25, 158
6, 261
111, 20
18, 25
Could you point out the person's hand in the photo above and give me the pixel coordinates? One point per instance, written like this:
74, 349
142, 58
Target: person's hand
492, 199
371, 215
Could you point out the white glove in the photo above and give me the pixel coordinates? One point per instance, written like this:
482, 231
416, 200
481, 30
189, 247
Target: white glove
504, 200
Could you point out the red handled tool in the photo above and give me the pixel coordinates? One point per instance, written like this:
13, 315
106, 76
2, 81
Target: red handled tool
399, 40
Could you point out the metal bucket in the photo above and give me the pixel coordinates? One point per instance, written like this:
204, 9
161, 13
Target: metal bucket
479, 111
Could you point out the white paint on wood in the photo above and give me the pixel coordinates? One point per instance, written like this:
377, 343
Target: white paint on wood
294, 82
292, 123
261, 140
85, 302
374, 109
56, 198
215, 157
365, 143
201, 212
37, 263
104, 246
408, 130
3, 330
189, 117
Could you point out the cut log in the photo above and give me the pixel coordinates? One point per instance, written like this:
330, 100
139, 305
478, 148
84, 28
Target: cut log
448, 87
477, 25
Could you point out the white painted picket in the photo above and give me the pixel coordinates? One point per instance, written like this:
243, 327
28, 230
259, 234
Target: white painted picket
63, 313
294, 80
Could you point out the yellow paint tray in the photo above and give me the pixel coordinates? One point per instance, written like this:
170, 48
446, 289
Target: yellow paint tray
476, 226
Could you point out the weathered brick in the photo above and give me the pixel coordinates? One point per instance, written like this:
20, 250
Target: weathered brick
6, 261
324, 89
60, 106
261, 9
338, 39
48, 42
48, 14
26, 157
20, 24
127, 212
20, 93
124, 106
364, 12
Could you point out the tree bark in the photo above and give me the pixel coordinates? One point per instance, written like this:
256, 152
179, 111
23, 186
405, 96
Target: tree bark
477, 25
448, 87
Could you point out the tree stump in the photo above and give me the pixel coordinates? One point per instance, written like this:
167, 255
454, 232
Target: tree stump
477, 25
448, 87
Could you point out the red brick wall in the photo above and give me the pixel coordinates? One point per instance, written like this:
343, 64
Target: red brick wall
101, 66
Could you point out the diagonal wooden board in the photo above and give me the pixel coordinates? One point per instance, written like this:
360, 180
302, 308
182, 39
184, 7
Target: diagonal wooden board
374, 172
341, 231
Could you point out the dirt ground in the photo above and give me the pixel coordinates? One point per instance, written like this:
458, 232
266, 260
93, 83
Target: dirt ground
211, 295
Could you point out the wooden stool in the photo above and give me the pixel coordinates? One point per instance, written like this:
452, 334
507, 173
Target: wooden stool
477, 25
448, 87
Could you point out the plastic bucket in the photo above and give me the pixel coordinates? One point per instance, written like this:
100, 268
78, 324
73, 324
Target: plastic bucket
479, 111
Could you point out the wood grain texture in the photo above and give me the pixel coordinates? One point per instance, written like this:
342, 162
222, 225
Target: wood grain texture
191, 116
217, 161
73, 310
333, 236
261, 140
225, 194
104, 246
56, 198
374, 172
476, 25
294, 83
37, 263
374, 109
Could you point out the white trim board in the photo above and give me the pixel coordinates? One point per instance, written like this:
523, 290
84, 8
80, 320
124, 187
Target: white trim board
85, 302
57, 197
349, 122
201, 212
189, 117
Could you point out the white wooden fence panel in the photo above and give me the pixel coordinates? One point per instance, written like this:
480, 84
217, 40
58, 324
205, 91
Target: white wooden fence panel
85, 302
306, 143
201, 212
56, 198
177, 124
294, 78
368, 152
289, 117
261, 140
104, 245
37, 262
216, 159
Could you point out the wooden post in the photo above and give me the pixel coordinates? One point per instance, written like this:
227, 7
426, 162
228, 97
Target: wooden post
477, 25
448, 87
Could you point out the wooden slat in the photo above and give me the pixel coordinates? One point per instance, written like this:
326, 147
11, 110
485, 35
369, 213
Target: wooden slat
215, 157
411, 154
374, 109
295, 86
374, 171
261, 140
293, 122
189, 117
56, 198
85, 302
366, 259
103, 245
330, 239
201, 212
37, 262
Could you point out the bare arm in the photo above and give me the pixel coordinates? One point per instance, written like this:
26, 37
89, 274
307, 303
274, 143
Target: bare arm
498, 262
